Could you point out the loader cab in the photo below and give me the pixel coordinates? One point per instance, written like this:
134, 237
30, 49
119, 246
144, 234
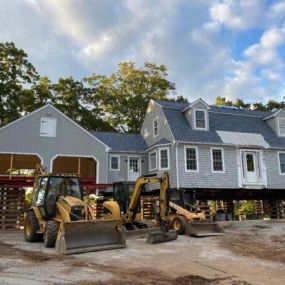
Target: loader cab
182, 198
49, 188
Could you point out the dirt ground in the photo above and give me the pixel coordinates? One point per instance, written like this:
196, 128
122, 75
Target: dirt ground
250, 252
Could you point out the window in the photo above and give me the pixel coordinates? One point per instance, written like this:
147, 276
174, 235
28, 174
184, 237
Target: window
114, 163
200, 119
164, 158
152, 161
191, 162
282, 162
155, 127
48, 127
281, 126
41, 191
217, 160
250, 162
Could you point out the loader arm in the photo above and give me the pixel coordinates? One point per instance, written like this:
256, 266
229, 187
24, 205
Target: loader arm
190, 216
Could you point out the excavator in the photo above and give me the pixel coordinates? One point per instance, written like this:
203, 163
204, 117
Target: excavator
128, 196
59, 216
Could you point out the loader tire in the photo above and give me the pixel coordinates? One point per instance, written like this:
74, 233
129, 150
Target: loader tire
31, 227
179, 224
50, 234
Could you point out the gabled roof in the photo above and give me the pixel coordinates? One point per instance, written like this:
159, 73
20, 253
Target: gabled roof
195, 102
220, 119
274, 114
50, 105
121, 142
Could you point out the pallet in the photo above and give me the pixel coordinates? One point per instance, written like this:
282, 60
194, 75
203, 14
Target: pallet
12, 202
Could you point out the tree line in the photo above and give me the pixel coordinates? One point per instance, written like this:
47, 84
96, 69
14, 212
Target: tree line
97, 102
116, 102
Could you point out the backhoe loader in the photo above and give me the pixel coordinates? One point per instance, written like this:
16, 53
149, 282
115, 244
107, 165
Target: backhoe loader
59, 216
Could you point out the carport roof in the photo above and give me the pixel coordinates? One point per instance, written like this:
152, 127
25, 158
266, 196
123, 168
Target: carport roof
121, 142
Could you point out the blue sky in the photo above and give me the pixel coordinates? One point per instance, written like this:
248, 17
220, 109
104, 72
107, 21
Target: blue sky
229, 48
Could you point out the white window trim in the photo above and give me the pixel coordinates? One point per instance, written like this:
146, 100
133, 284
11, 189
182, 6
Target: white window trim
185, 158
149, 162
155, 120
278, 127
223, 160
279, 166
159, 150
119, 162
206, 119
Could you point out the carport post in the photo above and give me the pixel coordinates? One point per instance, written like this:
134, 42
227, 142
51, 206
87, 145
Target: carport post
79, 165
11, 165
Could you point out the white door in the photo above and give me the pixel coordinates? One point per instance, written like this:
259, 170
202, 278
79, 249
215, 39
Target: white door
134, 168
251, 166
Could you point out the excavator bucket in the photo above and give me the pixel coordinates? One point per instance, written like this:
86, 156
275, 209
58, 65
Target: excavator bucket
86, 236
160, 236
203, 229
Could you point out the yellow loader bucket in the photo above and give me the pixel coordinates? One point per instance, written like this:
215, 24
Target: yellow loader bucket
203, 229
86, 236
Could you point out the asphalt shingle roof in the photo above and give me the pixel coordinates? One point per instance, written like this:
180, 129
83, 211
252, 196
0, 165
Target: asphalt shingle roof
220, 119
160, 142
121, 141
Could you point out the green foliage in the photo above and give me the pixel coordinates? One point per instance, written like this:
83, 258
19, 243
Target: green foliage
126, 93
271, 105
17, 76
245, 208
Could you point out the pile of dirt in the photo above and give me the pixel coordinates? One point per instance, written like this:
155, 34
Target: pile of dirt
265, 242
34, 256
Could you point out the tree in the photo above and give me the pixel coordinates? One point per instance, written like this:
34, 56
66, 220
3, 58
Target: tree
222, 101
179, 99
17, 75
69, 96
259, 107
126, 93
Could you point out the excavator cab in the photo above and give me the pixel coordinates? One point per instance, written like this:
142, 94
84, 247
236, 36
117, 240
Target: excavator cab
122, 193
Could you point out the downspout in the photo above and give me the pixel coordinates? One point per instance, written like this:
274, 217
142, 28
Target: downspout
176, 158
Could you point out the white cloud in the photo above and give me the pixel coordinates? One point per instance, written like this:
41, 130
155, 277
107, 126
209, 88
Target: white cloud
237, 14
195, 39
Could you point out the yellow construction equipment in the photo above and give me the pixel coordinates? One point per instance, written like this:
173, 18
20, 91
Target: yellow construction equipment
129, 201
60, 216
193, 223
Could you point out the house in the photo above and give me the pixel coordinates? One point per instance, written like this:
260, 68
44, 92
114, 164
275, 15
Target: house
201, 146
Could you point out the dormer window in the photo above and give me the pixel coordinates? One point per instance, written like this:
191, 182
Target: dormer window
281, 127
155, 127
200, 122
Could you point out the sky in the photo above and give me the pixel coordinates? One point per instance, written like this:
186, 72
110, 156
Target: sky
229, 48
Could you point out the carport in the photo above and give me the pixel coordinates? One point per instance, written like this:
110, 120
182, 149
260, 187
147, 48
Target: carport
18, 164
85, 166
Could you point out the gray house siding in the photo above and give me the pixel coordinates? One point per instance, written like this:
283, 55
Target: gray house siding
274, 179
122, 173
23, 136
154, 111
205, 178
